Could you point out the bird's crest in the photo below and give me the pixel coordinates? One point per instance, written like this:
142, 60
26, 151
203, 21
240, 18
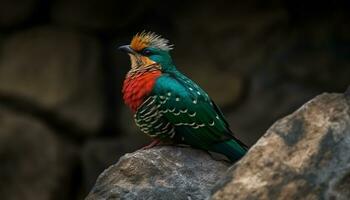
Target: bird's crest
150, 39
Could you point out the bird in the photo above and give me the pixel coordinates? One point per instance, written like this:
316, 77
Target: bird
169, 106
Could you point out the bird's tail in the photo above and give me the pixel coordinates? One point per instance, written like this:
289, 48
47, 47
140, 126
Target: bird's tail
233, 149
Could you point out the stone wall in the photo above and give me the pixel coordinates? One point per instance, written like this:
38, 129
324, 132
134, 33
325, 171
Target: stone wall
60, 77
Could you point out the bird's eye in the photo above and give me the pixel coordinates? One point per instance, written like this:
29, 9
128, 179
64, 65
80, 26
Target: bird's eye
146, 52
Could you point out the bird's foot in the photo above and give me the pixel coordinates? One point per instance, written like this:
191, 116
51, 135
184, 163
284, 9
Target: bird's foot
153, 143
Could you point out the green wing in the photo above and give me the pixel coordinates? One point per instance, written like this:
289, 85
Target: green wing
189, 109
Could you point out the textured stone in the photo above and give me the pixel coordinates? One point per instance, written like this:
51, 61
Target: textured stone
305, 155
159, 173
98, 154
35, 164
14, 12
57, 70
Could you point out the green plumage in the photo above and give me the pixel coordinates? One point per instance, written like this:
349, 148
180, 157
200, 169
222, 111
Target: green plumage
180, 110
176, 108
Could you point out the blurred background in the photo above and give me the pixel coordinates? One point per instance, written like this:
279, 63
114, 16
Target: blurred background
62, 121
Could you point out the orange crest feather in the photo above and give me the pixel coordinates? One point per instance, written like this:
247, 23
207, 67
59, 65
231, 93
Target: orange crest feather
149, 39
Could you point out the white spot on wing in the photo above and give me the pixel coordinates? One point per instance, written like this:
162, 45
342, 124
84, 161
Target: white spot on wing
164, 101
166, 111
176, 114
184, 111
198, 126
192, 115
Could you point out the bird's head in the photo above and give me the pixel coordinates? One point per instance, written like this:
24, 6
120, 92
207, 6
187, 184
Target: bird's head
148, 49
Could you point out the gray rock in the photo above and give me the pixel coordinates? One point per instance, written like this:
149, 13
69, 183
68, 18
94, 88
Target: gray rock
56, 70
13, 12
98, 154
305, 155
159, 173
35, 164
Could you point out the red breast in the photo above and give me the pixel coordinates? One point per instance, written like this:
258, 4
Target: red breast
137, 87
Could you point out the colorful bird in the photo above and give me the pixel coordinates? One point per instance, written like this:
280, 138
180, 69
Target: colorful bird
169, 106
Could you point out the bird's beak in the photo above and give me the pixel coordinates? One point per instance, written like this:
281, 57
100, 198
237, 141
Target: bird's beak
126, 49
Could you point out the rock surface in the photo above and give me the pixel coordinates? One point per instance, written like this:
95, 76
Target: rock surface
160, 173
305, 155
96, 155
35, 164
57, 70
